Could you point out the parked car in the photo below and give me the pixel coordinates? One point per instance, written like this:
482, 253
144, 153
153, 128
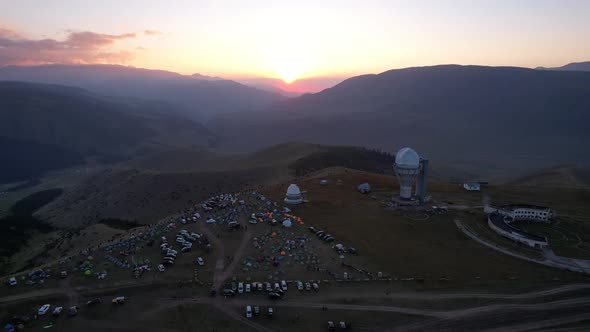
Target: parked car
270, 312
316, 287
43, 309
256, 311
234, 287
12, 281
259, 287
283, 285
94, 301
307, 286
331, 326
72, 311
229, 292
300, 285
240, 288
247, 288
274, 296
200, 261
268, 287
161, 268
57, 311
277, 286
210, 221
119, 300
248, 312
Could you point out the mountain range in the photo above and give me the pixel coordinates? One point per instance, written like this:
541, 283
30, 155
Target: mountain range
50, 126
196, 96
575, 66
484, 120
484, 117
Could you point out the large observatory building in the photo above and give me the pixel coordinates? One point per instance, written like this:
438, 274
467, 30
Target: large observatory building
410, 168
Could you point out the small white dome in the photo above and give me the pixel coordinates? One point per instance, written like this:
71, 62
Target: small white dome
407, 158
293, 190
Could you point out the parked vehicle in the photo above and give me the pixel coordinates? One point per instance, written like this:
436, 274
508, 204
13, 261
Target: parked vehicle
94, 301
200, 261
43, 309
119, 300
259, 287
300, 285
283, 285
316, 287
161, 268
256, 311
344, 325
240, 288
234, 287
247, 288
248, 312
274, 296
57, 311
270, 312
268, 287
307, 286
229, 292
12, 281
72, 311
331, 326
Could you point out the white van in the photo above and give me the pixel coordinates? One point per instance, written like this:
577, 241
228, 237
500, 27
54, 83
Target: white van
248, 312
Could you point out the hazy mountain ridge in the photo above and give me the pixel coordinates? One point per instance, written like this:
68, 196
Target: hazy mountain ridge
480, 117
195, 96
75, 123
576, 66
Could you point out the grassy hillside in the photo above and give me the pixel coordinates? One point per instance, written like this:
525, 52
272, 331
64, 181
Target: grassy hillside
45, 127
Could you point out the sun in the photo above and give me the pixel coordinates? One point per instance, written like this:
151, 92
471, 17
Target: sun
288, 75
288, 68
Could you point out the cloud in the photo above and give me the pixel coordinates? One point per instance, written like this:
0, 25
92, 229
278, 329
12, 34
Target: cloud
152, 32
78, 48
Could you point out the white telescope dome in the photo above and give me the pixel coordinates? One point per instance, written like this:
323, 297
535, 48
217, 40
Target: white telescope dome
407, 158
293, 190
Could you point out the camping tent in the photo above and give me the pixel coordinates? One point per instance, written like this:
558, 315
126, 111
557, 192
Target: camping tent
287, 223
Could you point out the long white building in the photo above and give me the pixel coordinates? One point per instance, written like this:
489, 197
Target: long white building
500, 220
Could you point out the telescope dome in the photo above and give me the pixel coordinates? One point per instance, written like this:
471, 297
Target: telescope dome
407, 158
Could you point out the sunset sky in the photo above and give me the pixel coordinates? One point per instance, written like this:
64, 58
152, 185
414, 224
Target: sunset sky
294, 39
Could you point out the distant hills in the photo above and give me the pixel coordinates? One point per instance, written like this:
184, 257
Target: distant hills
485, 121
564, 176
575, 66
474, 117
44, 127
197, 96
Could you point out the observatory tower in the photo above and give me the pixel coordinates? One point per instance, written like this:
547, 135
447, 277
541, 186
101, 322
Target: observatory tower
408, 167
